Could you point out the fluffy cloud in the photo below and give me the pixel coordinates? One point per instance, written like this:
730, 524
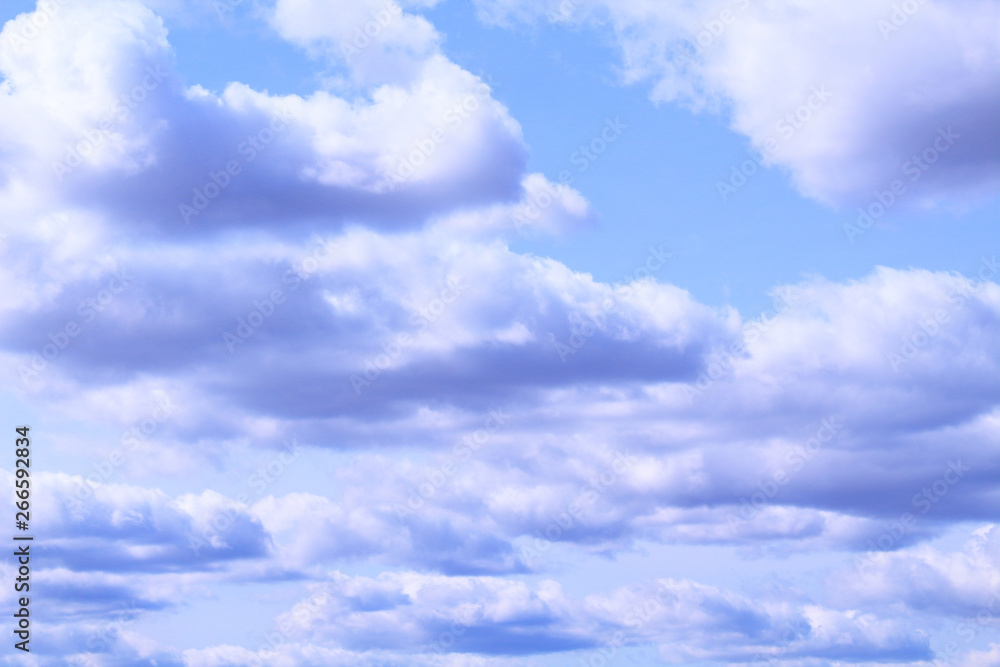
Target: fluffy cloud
97, 120
776, 431
376, 39
501, 617
316, 656
350, 287
981, 658
964, 583
848, 96
116, 528
387, 313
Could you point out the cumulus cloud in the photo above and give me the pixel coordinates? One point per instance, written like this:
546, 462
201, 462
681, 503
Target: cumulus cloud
963, 583
376, 39
776, 431
310, 655
848, 97
981, 658
98, 121
416, 613
350, 287
117, 528
388, 313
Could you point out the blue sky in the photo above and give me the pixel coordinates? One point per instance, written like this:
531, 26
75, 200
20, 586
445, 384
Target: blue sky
467, 344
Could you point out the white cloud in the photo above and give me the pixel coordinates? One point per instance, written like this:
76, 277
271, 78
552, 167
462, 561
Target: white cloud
377, 39
318, 299
884, 93
963, 583
96, 119
491, 616
434, 313
99, 527
983, 658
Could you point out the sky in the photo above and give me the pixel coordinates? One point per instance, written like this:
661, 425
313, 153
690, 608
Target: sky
429, 333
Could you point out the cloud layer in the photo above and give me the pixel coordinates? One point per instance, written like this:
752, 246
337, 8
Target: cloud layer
848, 97
259, 285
